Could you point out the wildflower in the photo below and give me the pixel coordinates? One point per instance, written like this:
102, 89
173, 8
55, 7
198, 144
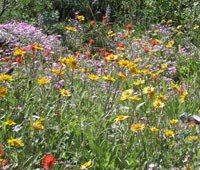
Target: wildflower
164, 65
129, 26
38, 125
154, 129
15, 142
192, 138
48, 162
80, 18
64, 92
112, 57
158, 41
137, 127
3, 163
153, 42
183, 96
85, 70
72, 29
58, 71
139, 82
170, 44
5, 77
121, 118
86, 165
124, 63
71, 62
175, 86
146, 49
169, 133
2, 152
92, 22
137, 60
91, 41
126, 94
9, 123
108, 78
169, 21
179, 27
173, 121
161, 97
111, 34
158, 104
43, 81
93, 77
19, 52
3, 91
196, 27
149, 90
122, 76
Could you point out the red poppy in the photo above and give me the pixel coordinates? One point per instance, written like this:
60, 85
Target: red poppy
128, 26
48, 162
153, 42
92, 22
146, 49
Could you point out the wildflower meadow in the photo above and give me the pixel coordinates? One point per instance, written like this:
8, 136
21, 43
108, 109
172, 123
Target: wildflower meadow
100, 94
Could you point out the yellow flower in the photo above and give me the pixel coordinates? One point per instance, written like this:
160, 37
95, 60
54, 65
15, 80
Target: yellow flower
169, 21
43, 81
139, 82
158, 41
137, 60
196, 27
9, 123
164, 65
126, 94
80, 18
154, 129
71, 62
5, 77
85, 70
183, 96
192, 138
58, 71
137, 127
170, 44
93, 77
135, 98
112, 57
111, 34
123, 63
121, 118
108, 78
156, 31
175, 86
158, 104
161, 97
169, 133
179, 27
19, 52
3, 91
38, 125
86, 165
173, 121
149, 90
122, 76
15, 142
38, 47
64, 92
72, 29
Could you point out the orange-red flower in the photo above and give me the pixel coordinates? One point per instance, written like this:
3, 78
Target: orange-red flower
2, 152
48, 162
92, 22
153, 42
146, 49
128, 26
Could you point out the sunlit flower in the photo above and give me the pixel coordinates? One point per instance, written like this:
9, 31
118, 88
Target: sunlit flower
169, 133
173, 121
183, 96
58, 71
154, 129
65, 92
43, 81
158, 104
135, 98
19, 52
72, 29
169, 21
112, 57
3, 91
85, 70
139, 82
93, 77
38, 47
111, 34
161, 97
86, 165
192, 138
9, 123
126, 94
137, 127
196, 27
175, 86
137, 60
5, 77
80, 18
108, 78
38, 125
149, 90
164, 65
48, 162
15, 142
122, 76
124, 63
121, 118
170, 44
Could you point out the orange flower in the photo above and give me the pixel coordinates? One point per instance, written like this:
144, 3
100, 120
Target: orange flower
146, 49
91, 42
2, 152
92, 22
153, 42
48, 161
87, 53
121, 45
128, 26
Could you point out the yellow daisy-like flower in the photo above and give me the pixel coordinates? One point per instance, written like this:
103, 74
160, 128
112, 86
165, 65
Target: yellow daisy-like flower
65, 92
111, 34
169, 21
135, 98
43, 81
139, 82
183, 96
58, 71
158, 104
71, 62
85, 70
137, 60
19, 52
164, 65
175, 86
72, 29
137, 127
5, 77
15, 142
93, 77
192, 138
149, 90
170, 44
123, 63
126, 94
80, 18
3, 91
173, 121
86, 165
169, 133
121, 118
38, 47
154, 129
112, 57
161, 97
38, 125
196, 27
9, 123
158, 41
122, 76
108, 78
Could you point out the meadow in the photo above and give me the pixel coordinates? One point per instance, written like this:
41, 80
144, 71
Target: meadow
101, 97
